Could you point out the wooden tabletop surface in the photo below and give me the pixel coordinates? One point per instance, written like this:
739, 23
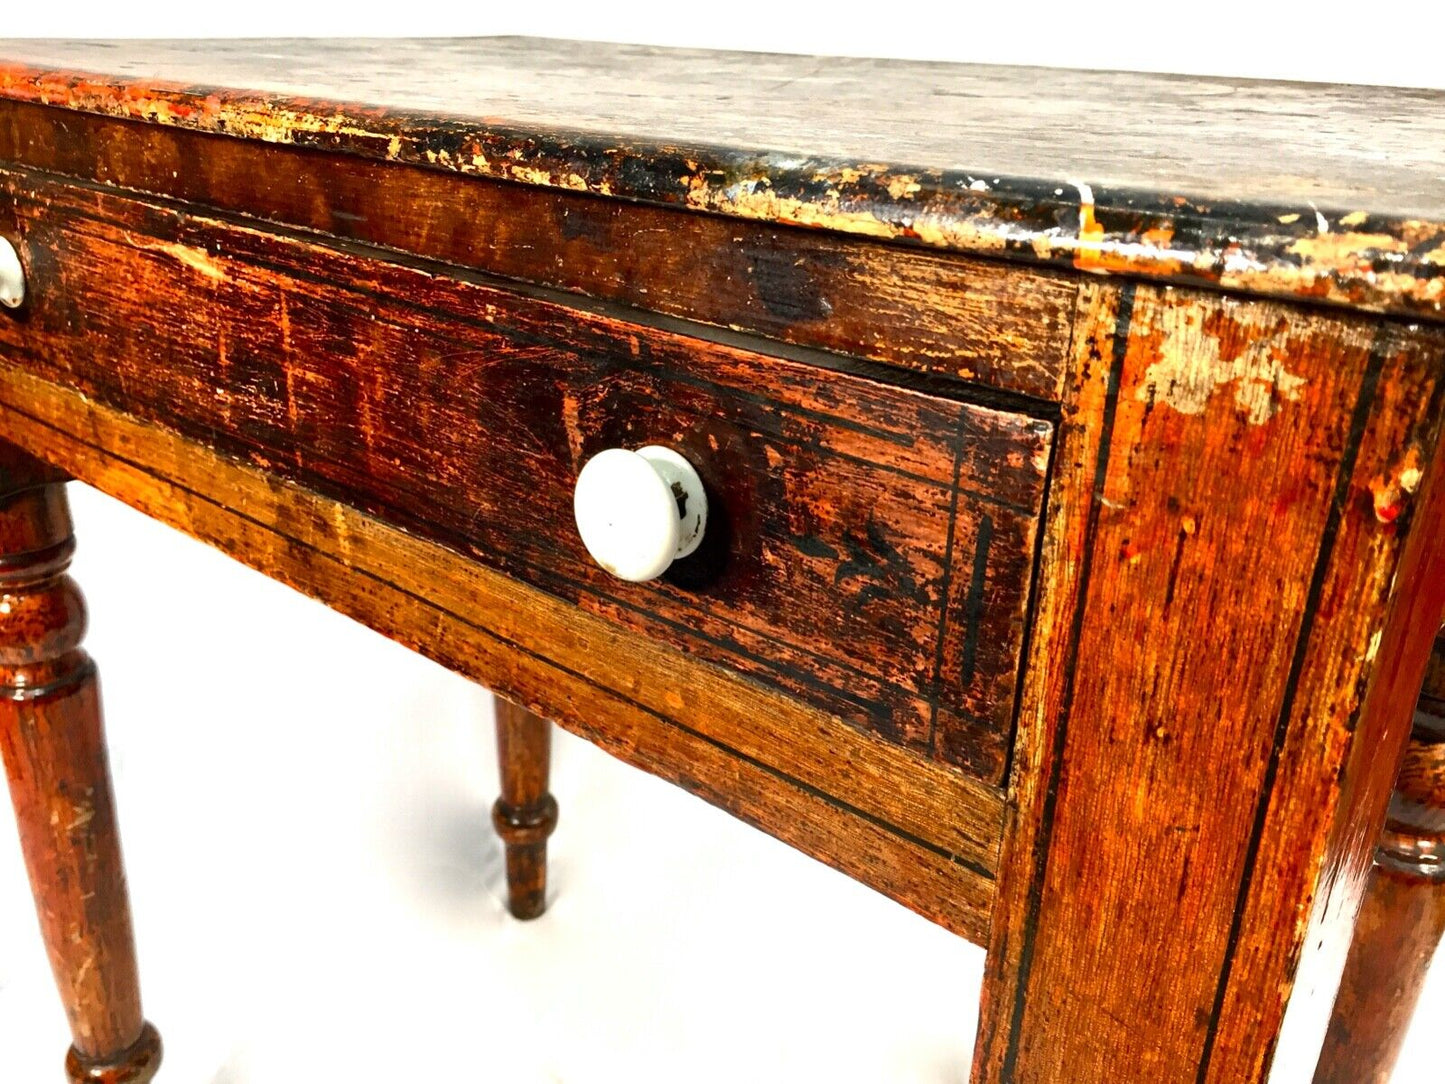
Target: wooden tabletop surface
1330, 192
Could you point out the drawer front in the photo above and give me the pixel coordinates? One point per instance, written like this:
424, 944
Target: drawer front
870, 548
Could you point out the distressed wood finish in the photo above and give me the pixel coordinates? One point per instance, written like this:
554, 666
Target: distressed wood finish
990, 323
1403, 917
915, 830
526, 813
1083, 614
1212, 716
870, 548
54, 752
1153, 175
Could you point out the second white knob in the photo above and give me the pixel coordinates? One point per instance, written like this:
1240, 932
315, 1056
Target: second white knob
12, 276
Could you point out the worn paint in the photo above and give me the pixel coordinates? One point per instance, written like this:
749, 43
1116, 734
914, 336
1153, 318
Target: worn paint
842, 536
1390, 491
1372, 261
1003, 326
1195, 361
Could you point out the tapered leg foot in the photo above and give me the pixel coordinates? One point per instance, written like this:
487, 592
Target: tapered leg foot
53, 745
525, 814
135, 1065
1403, 915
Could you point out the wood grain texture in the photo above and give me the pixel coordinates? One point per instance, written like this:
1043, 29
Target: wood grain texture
1066, 537
916, 830
526, 813
991, 323
870, 549
53, 747
357, 312
1208, 723
1298, 190
1385, 598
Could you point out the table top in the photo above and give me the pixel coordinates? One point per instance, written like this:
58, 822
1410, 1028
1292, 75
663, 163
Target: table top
1330, 192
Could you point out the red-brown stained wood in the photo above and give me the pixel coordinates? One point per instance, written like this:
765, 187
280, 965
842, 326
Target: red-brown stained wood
1383, 596
54, 752
1396, 936
921, 832
526, 814
1403, 916
1432, 693
992, 323
1066, 538
1239, 572
1155, 175
870, 549
1206, 717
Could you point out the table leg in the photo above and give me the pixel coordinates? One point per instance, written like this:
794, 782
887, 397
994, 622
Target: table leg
526, 813
1402, 918
54, 750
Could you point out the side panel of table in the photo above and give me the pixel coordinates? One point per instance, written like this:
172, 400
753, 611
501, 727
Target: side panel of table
1243, 550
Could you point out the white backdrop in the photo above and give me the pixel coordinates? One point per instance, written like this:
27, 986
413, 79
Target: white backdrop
318, 894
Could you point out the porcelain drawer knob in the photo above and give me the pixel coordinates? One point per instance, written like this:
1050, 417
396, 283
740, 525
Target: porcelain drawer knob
12, 276
639, 511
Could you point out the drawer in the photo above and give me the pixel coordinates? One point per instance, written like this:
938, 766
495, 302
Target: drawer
870, 548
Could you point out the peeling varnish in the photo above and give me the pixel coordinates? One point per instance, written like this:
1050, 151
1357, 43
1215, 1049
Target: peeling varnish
1391, 491
1191, 368
82, 813
1352, 247
1325, 266
1374, 647
903, 186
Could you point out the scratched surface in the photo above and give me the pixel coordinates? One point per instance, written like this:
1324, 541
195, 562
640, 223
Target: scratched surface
1328, 192
1212, 709
869, 549
1004, 326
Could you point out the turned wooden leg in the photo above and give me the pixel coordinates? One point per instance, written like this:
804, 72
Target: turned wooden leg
55, 757
1403, 915
525, 814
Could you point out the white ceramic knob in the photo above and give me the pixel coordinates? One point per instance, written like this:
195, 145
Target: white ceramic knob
12, 276
639, 511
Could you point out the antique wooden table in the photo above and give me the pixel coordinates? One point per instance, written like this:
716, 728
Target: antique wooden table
1070, 446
